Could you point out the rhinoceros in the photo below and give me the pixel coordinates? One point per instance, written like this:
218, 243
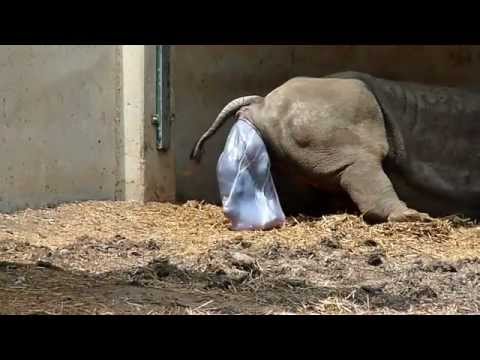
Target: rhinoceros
401, 151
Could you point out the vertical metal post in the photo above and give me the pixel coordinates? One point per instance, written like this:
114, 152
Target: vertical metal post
161, 118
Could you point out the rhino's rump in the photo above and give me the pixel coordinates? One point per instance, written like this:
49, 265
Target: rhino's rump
433, 135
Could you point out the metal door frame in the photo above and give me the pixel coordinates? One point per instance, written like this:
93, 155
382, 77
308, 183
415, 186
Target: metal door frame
161, 118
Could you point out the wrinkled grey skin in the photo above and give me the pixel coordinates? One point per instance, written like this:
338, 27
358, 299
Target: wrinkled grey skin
401, 151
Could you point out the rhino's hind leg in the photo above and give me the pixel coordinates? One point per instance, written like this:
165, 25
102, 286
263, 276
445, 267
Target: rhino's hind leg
372, 191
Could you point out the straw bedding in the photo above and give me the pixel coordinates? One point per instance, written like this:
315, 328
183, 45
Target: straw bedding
121, 258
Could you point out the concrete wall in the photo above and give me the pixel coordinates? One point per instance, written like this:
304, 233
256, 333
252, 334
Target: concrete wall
446, 65
205, 78
58, 139
75, 121
75, 125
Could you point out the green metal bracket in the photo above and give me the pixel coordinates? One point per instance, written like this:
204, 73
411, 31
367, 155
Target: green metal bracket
161, 118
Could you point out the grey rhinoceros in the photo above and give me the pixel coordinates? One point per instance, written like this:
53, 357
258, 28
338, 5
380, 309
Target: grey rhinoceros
401, 151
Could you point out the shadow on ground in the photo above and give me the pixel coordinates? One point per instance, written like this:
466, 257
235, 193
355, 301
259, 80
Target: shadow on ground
233, 280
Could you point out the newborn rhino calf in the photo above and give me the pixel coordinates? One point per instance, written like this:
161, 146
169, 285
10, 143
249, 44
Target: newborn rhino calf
401, 151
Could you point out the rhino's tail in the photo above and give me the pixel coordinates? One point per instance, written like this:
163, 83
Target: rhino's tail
227, 111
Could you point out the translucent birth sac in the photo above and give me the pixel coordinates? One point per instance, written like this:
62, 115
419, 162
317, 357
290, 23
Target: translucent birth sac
249, 197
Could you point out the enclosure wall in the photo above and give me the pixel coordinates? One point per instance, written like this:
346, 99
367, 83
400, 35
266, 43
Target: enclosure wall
58, 124
206, 78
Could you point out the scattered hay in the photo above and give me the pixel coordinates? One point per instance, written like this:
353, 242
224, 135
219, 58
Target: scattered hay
108, 237
194, 228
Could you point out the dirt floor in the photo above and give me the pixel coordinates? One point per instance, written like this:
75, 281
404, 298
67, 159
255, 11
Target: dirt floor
127, 258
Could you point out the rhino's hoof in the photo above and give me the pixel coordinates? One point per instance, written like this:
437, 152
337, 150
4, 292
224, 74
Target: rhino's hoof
409, 215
